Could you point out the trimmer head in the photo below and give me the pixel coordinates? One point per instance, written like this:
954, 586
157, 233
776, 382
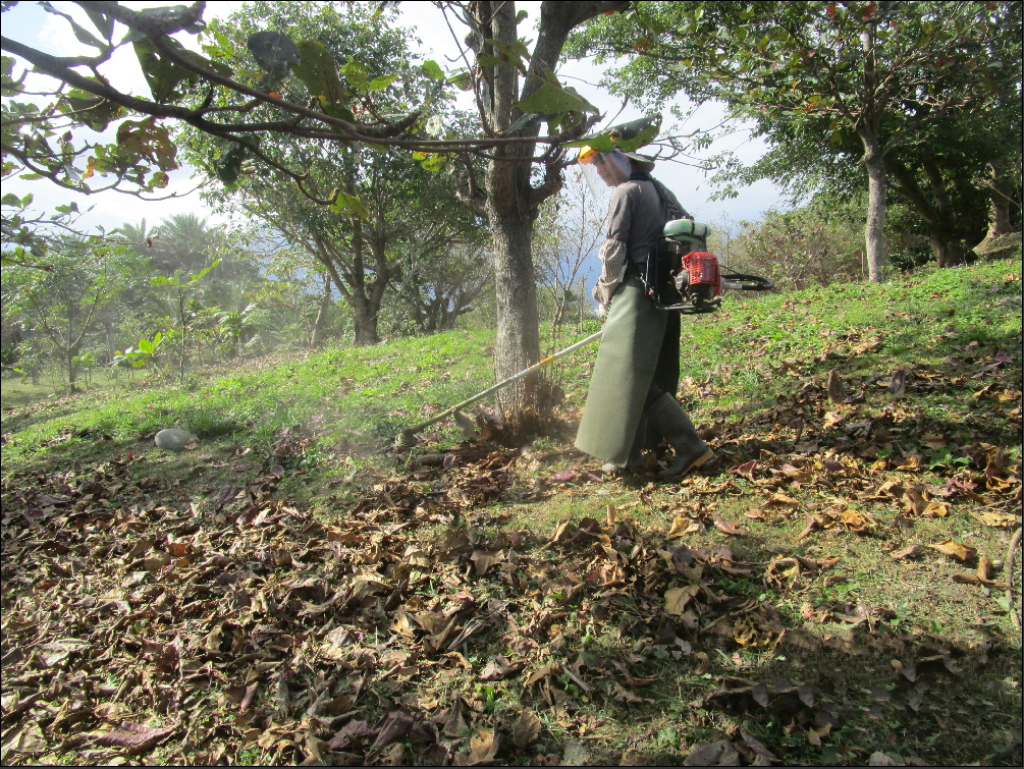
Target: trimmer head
407, 440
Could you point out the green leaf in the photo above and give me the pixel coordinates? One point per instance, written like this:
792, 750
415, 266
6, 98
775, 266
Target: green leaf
488, 60
96, 112
626, 136
349, 204
431, 69
316, 69
229, 165
163, 76
512, 53
273, 51
146, 346
552, 99
355, 74
463, 80
527, 120
342, 113
382, 82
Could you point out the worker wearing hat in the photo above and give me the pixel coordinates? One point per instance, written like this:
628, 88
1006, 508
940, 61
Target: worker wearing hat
636, 374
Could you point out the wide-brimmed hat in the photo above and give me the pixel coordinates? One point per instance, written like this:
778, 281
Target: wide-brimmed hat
589, 155
644, 164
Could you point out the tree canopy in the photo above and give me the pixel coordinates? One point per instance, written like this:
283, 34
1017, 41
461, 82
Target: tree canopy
823, 80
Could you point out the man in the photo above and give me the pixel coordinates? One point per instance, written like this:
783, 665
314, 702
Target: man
637, 370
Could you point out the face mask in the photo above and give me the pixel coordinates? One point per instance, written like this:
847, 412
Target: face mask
607, 169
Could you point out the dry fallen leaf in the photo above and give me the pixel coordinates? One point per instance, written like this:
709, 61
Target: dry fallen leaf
915, 500
677, 598
881, 759
727, 527
935, 509
499, 668
907, 552
781, 500
135, 738
961, 553
483, 747
997, 520
526, 730
714, 754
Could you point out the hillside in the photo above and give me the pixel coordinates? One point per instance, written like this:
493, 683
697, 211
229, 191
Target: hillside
294, 589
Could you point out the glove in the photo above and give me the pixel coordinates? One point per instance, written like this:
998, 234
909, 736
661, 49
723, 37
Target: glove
613, 268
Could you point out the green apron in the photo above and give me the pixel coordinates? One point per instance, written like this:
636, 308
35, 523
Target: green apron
640, 346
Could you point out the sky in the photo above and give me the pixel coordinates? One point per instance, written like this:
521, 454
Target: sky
29, 24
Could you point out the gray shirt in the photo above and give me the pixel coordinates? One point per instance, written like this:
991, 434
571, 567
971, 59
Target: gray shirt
637, 216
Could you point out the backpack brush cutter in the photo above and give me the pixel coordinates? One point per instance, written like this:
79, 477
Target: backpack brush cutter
680, 276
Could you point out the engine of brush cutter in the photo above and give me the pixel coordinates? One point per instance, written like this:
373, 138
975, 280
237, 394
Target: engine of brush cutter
681, 274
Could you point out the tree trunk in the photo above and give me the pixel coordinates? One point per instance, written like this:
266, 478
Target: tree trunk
364, 322
72, 373
874, 231
325, 303
940, 249
511, 201
518, 336
998, 216
874, 159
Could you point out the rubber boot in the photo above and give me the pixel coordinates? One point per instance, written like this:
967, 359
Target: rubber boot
675, 425
635, 463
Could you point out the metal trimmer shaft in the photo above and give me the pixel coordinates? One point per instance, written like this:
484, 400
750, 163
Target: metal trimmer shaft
408, 436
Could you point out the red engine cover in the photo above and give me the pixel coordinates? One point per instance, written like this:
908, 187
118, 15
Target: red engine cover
704, 271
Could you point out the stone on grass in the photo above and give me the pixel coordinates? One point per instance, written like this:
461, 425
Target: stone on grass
173, 439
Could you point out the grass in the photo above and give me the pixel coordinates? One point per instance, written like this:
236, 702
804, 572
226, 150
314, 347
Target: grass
754, 375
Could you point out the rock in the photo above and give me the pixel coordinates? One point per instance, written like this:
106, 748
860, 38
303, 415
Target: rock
173, 439
576, 754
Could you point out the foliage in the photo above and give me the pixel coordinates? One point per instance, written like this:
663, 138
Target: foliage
406, 215
59, 304
829, 83
144, 354
814, 245
264, 86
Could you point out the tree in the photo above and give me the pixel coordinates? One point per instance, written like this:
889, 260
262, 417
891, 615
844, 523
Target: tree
61, 303
813, 245
397, 211
516, 92
880, 71
439, 291
251, 98
182, 288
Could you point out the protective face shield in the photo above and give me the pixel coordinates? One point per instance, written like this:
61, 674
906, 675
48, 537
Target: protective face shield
604, 168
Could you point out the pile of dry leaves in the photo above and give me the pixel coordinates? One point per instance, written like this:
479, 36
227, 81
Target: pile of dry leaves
130, 626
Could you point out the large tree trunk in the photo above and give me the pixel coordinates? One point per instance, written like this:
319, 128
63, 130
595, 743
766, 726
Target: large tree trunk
511, 215
940, 249
874, 231
364, 322
518, 338
999, 222
509, 201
